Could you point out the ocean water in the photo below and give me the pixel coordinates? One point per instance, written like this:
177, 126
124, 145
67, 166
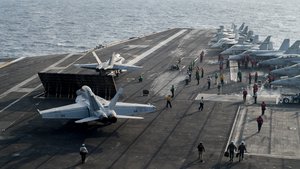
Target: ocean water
40, 27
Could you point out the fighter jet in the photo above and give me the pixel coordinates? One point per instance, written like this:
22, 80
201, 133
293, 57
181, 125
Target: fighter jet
239, 48
284, 60
289, 71
223, 33
257, 54
225, 42
289, 82
90, 107
114, 63
294, 49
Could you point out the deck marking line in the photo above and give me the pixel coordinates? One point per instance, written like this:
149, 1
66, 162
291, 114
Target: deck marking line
11, 62
32, 89
148, 52
16, 87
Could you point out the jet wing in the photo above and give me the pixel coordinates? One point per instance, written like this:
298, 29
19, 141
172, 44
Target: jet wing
296, 61
129, 117
88, 66
72, 111
88, 119
125, 67
131, 109
269, 54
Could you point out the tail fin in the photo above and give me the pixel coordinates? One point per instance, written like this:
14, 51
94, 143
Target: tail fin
236, 36
245, 31
285, 45
249, 35
255, 39
294, 49
97, 58
112, 59
233, 27
241, 40
266, 44
241, 27
113, 101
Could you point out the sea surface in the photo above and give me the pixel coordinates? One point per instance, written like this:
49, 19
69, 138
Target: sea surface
41, 27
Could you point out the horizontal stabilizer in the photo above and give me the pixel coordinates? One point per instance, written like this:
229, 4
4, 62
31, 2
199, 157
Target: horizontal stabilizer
88, 119
87, 66
126, 67
129, 117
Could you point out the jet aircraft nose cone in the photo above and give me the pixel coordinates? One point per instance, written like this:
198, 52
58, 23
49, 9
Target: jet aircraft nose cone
225, 52
263, 63
283, 82
278, 72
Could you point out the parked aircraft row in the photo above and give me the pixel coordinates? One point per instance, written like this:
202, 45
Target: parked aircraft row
226, 39
287, 57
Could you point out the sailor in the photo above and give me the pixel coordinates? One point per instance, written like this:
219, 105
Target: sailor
219, 88
172, 90
241, 150
168, 98
260, 122
83, 152
201, 56
222, 79
201, 149
208, 82
197, 76
231, 148
263, 108
239, 75
245, 95
140, 78
187, 77
216, 78
255, 97
255, 77
201, 104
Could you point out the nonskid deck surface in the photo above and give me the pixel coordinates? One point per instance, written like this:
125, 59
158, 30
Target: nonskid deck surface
166, 138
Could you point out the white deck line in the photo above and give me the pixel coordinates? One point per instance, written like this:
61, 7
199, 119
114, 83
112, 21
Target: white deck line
16, 87
148, 52
11, 62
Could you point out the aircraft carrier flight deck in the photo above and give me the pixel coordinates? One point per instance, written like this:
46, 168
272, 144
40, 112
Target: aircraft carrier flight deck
164, 139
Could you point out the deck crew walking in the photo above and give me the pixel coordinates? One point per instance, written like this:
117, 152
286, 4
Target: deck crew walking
231, 148
201, 150
263, 108
172, 90
260, 122
242, 149
245, 95
83, 152
201, 104
168, 98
